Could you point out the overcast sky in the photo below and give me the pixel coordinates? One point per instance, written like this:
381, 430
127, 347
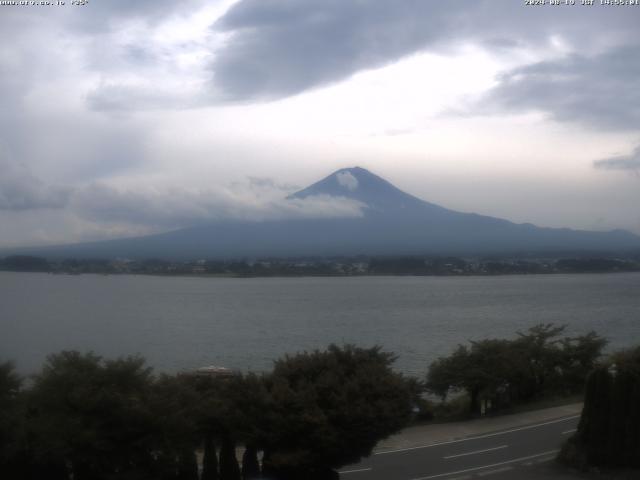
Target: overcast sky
124, 117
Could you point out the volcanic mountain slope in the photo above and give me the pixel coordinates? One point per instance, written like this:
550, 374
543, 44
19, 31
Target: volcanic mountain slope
392, 222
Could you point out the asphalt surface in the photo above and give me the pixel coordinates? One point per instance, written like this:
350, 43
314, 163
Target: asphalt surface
511, 453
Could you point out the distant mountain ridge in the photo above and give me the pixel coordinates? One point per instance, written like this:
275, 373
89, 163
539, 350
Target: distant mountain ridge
393, 223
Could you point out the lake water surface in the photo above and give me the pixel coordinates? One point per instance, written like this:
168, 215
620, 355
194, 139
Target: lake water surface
245, 323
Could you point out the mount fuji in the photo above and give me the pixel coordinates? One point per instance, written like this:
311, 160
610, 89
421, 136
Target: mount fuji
391, 222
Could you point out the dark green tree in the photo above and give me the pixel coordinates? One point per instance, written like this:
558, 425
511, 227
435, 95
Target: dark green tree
498, 373
624, 425
209, 459
608, 434
250, 464
229, 468
330, 408
482, 371
175, 433
12, 461
92, 415
539, 357
447, 374
579, 357
187, 465
230, 411
594, 422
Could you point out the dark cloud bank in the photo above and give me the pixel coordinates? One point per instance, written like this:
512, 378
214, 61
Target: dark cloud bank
283, 47
279, 48
629, 162
600, 91
21, 190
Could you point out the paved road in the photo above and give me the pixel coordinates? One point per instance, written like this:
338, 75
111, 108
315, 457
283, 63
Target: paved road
494, 455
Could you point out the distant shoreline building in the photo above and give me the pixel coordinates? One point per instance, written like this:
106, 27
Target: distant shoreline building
213, 371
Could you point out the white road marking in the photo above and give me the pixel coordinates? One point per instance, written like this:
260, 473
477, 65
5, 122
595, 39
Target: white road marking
499, 464
543, 460
567, 432
494, 471
477, 451
355, 471
488, 435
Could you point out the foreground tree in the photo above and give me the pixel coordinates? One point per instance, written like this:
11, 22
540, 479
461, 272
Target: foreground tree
496, 373
580, 355
89, 418
174, 433
85, 418
209, 459
608, 434
482, 371
330, 408
230, 413
11, 424
250, 464
229, 468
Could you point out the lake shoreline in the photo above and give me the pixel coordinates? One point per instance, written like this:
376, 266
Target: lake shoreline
336, 275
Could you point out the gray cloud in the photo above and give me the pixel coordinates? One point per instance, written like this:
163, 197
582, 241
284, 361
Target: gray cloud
105, 15
270, 183
123, 98
43, 122
97, 36
283, 47
166, 208
629, 162
43, 214
97, 17
21, 190
598, 91
280, 48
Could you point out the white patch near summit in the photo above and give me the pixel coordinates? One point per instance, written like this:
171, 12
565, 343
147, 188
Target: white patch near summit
347, 180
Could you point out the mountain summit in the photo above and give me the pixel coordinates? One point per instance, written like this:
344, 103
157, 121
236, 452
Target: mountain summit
360, 184
392, 223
